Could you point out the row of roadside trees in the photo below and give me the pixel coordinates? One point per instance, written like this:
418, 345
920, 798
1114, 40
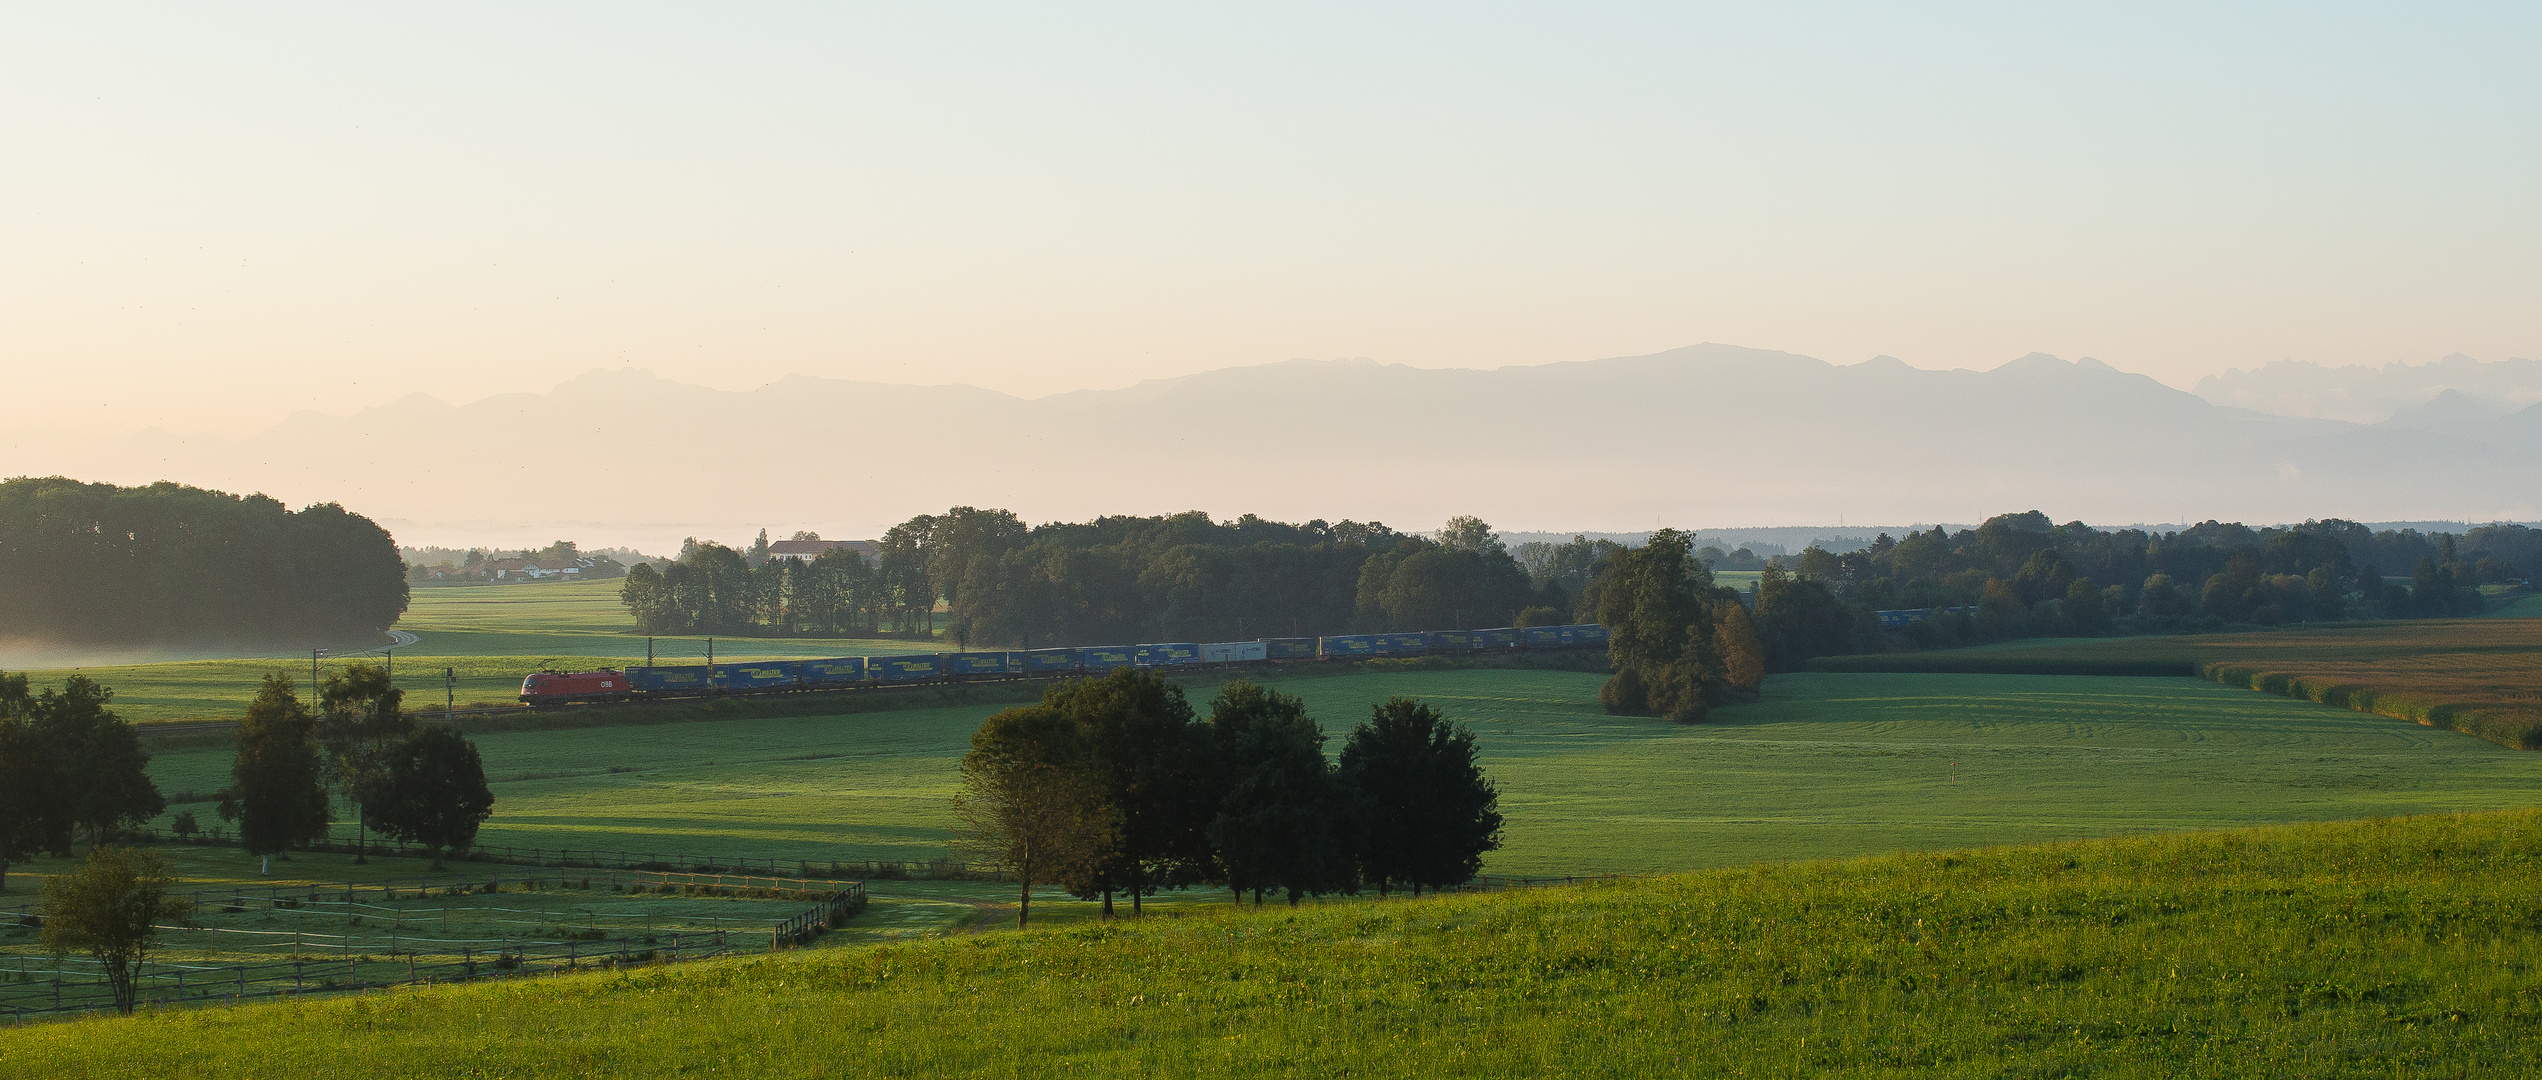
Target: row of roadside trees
1115, 786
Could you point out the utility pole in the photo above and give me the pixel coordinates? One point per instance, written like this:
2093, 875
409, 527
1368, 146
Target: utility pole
710, 652
450, 694
648, 652
314, 654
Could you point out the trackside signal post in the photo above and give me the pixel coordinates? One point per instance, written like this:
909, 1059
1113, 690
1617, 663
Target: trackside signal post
450, 694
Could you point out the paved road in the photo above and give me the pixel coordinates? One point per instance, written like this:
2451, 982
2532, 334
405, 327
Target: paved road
397, 639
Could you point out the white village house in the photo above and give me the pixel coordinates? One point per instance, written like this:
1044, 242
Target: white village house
808, 550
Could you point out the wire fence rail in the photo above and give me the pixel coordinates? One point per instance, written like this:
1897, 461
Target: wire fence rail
71, 986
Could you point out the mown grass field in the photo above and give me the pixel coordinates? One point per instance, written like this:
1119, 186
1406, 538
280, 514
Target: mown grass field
1826, 765
2482, 676
2390, 948
489, 636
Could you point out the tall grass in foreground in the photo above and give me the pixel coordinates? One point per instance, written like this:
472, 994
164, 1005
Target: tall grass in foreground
2398, 947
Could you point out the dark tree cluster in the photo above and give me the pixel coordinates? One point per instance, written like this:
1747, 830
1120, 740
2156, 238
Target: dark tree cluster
1114, 787
98, 563
1679, 644
68, 767
424, 784
1182, 577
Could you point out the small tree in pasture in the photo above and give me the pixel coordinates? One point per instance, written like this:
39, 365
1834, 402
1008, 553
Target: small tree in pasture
111, 908
1029, 803
279, 793
1427, 813
364, 717
432, 791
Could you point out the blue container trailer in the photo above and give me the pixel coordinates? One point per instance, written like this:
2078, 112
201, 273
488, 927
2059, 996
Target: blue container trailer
841, 671
1173, 654
1540, 637
1348, 645
978, 663
1583, 635
1451, 641
1047, 661
1233, 652
1399, 644
1288, 648
900, 669
1503, 639
1102, 658
668, 680
758, 676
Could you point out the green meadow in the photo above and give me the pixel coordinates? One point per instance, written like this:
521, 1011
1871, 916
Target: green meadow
486, 636
2388, 948
1826, 765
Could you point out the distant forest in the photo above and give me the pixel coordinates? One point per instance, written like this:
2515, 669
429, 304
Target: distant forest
1186, 577
101, 564
1117, 579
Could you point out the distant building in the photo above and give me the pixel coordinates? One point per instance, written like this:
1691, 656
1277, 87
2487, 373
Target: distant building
534, 569
808, 550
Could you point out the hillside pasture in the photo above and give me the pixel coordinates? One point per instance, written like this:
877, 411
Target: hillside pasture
2481, 676
2388, 948
1825, 765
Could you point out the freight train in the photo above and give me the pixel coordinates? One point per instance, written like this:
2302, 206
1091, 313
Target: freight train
854, 672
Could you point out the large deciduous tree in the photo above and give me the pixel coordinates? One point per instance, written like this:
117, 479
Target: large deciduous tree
1151, 763
111, 908
278, 792
363, 717
1031, 804
1658, 605
432, 791
104, 773
1284, 820
30, 783
1427, 813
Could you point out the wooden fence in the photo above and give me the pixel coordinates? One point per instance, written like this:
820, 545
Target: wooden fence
612, 859
64, 990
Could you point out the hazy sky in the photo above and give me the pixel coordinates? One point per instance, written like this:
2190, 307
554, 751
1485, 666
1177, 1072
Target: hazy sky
212, 215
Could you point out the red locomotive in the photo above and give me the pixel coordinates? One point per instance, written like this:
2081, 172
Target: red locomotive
556, 687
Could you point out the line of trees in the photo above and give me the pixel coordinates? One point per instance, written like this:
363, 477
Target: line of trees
2021, 575
1114, 786
97, 563
1181, 577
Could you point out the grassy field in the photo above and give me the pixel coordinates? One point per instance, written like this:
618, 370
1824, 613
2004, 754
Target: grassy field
489, 636
2482, 676
2527, 608
2395, 948
1826, 765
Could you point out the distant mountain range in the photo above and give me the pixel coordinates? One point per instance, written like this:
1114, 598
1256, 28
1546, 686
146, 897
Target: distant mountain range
2456, 387
1709, 435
